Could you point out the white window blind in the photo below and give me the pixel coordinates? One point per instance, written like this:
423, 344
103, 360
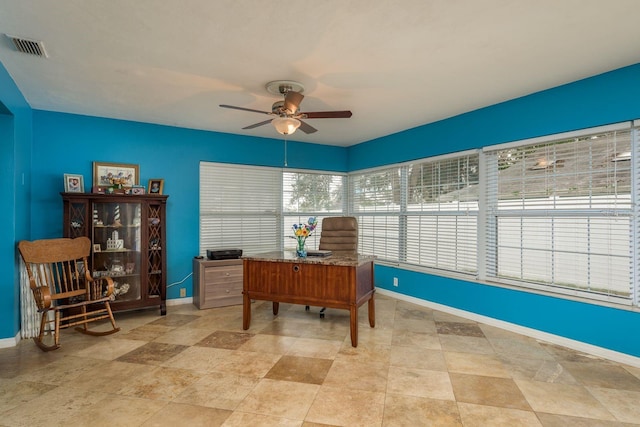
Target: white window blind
308, 194
442, 213
423, 213
376, 202
240, 207
253, 208
561, 213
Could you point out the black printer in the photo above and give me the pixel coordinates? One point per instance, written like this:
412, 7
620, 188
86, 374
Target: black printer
226, 253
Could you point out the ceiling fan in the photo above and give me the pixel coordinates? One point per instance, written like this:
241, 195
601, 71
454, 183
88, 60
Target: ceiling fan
287, 114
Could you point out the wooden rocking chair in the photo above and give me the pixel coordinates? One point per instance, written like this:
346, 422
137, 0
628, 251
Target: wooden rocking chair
62, 284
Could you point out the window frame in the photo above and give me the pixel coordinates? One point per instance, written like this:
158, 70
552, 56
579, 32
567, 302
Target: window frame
401, 214
494, 213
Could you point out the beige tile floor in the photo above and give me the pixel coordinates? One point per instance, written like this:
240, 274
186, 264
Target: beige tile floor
417, 367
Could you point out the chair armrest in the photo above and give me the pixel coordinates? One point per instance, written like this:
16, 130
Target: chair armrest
100, 287
42, 295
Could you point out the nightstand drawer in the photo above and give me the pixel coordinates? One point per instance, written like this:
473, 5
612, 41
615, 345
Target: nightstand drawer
227, 274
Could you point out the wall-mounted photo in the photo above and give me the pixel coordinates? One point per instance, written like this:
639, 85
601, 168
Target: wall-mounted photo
156, 186
115, 175
73, 183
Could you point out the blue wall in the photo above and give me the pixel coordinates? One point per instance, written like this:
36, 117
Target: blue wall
590, 323
15, 146
608, 98
604, 99
67, 143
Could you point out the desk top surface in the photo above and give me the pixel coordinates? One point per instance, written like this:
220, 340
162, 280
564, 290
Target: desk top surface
290, 256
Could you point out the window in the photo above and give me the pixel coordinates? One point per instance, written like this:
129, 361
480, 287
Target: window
561, 214
442, 213
422, 213
240, 207
307, 194
253, 208
376, 203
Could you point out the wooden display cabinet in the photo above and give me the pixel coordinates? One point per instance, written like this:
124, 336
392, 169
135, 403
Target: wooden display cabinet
128, 233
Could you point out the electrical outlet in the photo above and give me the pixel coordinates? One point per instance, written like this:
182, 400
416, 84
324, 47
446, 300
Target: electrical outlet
395, 281
183, 292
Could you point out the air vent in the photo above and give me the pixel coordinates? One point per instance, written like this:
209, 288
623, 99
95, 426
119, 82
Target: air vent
32, 47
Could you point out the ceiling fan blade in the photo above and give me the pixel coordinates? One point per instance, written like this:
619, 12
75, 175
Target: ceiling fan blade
307, 128
292, 101
255, 125
327, 114
244, 109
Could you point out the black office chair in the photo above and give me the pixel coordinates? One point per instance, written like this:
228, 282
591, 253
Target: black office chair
340, 236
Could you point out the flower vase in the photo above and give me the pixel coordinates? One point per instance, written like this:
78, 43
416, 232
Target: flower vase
301, 252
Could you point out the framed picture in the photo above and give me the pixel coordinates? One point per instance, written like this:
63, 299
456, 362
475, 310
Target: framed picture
110, 174
97, 248
137, 189
73, 183
131, 266
156, 185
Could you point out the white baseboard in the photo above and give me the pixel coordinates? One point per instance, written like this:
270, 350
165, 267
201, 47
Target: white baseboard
593, 350
179, 301
10, 342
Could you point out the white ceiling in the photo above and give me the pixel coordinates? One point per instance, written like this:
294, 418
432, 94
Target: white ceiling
395, 65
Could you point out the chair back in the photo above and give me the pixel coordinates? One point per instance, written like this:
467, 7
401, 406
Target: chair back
58, 264
339, 234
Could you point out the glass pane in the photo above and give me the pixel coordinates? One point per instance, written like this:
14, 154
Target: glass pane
312, 192
117, 247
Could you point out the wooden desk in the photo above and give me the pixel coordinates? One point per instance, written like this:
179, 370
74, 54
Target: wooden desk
344, 282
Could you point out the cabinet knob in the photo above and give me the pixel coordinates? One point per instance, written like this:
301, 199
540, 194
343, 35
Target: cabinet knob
228, 291
296, 268
227, 274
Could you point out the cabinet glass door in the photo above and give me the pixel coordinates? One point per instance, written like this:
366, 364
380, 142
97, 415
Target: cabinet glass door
117, 247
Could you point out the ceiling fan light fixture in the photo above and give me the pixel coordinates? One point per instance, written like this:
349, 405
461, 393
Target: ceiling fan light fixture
285, 125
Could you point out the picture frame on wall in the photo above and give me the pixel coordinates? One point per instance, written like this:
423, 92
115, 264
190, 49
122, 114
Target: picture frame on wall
156, 186
73, 183
111, 174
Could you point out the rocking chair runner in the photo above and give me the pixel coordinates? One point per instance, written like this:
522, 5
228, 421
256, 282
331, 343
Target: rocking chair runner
61, 283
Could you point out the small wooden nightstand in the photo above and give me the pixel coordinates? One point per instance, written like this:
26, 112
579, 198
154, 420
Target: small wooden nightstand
217, 283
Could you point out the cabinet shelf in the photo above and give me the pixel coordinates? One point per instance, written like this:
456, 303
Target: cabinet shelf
114, 276
132, 226
96, 226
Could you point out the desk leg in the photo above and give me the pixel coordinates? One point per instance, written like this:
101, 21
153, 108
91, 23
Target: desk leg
372, 312
276, 308
246, 311
354, 325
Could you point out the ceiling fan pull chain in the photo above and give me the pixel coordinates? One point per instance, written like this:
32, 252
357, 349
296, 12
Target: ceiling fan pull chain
285, 151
